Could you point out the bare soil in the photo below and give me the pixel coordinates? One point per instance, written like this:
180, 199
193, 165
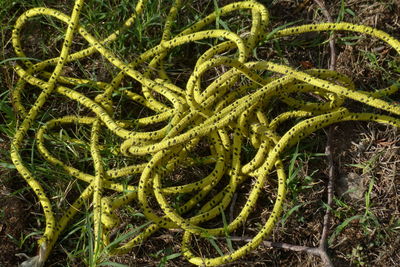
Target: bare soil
367, 158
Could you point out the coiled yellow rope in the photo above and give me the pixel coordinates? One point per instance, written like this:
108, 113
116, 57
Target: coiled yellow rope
229, 113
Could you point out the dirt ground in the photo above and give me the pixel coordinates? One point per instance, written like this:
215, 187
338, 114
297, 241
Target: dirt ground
366, 155
13, 219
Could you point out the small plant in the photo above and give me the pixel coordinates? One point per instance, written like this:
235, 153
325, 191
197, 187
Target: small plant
110, 102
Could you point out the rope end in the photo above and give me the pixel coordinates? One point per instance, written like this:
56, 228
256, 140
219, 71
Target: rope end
37, 261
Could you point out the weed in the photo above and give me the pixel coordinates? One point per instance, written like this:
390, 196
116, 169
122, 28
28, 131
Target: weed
101, 17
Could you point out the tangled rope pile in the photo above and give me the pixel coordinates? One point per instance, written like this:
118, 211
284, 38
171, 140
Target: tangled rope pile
230, 112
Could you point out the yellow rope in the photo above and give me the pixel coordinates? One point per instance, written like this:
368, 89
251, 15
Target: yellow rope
227, 114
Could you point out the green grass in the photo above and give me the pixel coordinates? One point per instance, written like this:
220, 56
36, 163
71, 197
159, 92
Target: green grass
305, 174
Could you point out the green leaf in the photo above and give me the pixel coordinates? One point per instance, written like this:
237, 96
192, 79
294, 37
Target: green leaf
287, 214
341, 227
123, 237
292, 172
114, 264
172, 256
349, 11
272, 33
18, 58
227, 236
214, 244
7, 165
224, 25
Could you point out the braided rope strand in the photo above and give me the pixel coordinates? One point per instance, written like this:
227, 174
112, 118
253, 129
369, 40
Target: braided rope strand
225, 116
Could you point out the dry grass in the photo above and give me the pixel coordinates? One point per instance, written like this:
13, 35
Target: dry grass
365, 222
